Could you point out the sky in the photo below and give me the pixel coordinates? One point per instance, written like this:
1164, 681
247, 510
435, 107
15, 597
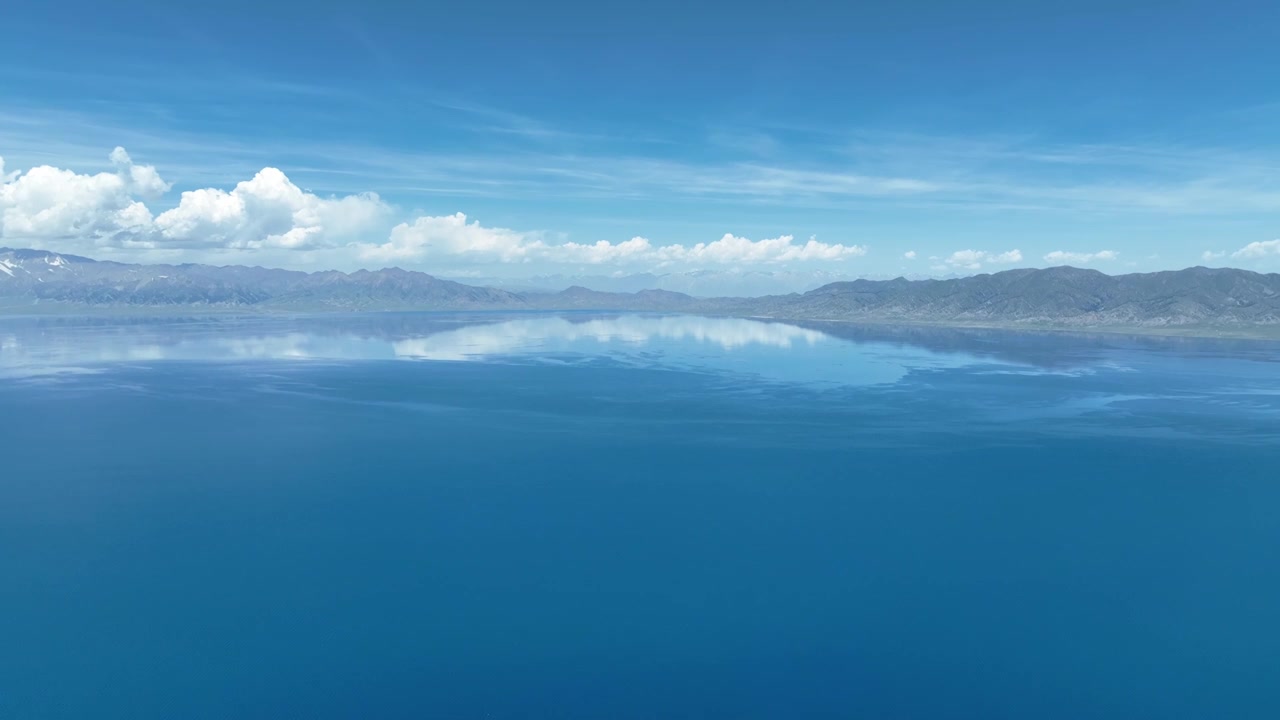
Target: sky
513, 139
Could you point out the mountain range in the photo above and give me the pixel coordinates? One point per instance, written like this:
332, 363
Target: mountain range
1196, 300
699, 283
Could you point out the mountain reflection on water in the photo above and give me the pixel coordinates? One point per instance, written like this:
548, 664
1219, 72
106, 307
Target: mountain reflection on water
824, 352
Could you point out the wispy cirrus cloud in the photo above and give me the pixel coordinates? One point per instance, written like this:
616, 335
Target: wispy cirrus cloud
755, 173
950, 174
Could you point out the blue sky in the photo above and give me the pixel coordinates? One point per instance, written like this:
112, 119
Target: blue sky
516, 138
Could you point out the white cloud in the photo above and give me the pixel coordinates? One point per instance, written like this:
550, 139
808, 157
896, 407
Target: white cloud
47, 203
267, 211
733, 250
1258, 249
145, 179
1210, 255
603, 252
51, 203
452, 235
910, 254
975, 259
270, 212
451, 238
1079, 258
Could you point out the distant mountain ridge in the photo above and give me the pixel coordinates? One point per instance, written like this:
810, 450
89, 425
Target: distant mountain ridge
1218, 299
698, 283
38, 276
1059, 296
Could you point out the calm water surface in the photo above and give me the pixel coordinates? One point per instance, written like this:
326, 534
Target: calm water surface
584, 516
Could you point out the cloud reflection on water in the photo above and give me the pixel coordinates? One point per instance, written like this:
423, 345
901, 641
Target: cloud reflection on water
535, 334
840, 353
774, 350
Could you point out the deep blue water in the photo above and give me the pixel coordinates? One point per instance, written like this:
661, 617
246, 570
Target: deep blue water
409, 516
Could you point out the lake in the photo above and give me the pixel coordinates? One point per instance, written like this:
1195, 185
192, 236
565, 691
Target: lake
632, 516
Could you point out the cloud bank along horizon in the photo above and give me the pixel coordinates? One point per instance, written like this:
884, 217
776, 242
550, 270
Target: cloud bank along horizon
113, 212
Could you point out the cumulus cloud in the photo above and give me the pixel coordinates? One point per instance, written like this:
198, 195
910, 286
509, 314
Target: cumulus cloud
601, 252
453, 238
733, 250
126, 207
105, 209
1079, 258
452, 235
1256, 250
47, 202
1210, 255
267, 211
975, 259
145, 179
910, 254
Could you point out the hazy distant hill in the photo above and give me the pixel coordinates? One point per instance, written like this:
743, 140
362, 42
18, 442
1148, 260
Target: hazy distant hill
698, 283
1226, 300
36, 276
1064, 296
